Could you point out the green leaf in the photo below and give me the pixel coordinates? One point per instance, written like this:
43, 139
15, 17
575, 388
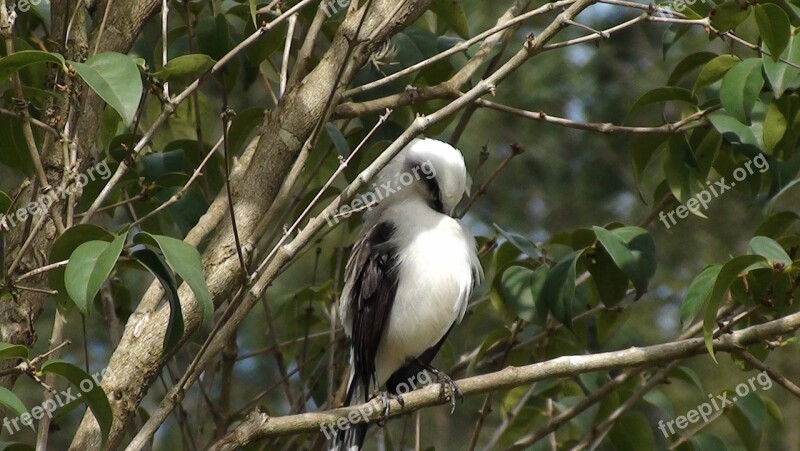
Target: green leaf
747, 416
622, 257
11, 64
775, 125
253, 4
714, 71
697, 293
63, 247
10, 401
611, 282
520, 242
781, 75
95, 396
213, 36
89, 266
79, 270
769, 249
740, 89
731, 129
729, 15
632, 432
664, 94
184, 259
687, 65
558, 291
12, 351
452, 13
116, 79
777, 224
186, 68
338, 139
150, 260
516, 283
15, 152
729, 272
773, 24
643, 249
5, 203
686, 374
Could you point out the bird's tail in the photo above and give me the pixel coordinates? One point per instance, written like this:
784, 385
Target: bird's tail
351, 438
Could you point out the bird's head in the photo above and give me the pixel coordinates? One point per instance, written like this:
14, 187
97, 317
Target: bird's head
431, 169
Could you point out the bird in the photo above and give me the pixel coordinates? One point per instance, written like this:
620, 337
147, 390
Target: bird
408, 279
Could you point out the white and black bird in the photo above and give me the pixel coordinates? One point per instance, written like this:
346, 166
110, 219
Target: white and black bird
409, 276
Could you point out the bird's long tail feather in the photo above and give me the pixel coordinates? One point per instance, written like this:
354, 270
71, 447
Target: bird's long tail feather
351, 438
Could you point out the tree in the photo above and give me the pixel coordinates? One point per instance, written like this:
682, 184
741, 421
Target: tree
171, 166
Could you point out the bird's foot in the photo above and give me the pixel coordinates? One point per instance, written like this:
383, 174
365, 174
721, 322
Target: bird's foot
447, 384
386, 399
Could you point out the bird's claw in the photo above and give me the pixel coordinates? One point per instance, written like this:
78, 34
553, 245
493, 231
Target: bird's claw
386, 399
447, 383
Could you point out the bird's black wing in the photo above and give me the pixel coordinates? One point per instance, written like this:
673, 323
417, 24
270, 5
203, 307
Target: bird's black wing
372, 273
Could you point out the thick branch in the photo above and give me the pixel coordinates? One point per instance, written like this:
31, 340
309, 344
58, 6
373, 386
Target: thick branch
259, 425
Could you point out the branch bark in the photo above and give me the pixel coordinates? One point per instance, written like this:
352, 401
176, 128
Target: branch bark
259, 425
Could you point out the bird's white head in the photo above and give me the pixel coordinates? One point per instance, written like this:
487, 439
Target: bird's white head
431, 169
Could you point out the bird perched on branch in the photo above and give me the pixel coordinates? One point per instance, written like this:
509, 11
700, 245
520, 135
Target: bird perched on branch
409, 278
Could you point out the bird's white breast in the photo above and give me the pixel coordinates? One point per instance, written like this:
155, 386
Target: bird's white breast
435, 280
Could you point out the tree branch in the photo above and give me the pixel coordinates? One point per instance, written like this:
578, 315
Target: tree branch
259, 425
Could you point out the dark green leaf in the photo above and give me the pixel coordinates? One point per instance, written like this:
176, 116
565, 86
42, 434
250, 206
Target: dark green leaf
714, 71
731, 129
611, 282
773, 24
687, 65
95, 396
558, 291
15, 62
150, 260
184, 259
783, 76
740, 89
11, 351
697, 293
516, 283
774, 128
5, 203
777, 224
520, 242
729, 15
15, 153
338, 139
10, 401
664, 94
729, 272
